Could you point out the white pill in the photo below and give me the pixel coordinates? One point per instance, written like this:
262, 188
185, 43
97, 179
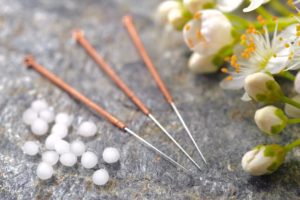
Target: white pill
62, 146
87, 129
100, 177
89, 160
111, 155
44, 171
29, 116
39, 105
68, 159
39, 127
60, 130
50, 157
64, 118
47, 115
77, 147
30, 148
51, 140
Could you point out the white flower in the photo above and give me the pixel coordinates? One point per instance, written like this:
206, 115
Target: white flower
164, 9
201, 64
293, 4
263, 159
254, 4
292, 111
291, 35
270, 120
208, 32
262, 88
258, 53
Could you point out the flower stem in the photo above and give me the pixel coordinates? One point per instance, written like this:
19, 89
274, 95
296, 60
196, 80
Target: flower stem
282, 23
280, 8
263, 12
287, 75
292, 145
236, 20
290, 101
293, 121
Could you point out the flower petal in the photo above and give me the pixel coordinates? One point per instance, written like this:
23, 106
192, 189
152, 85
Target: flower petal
253, 5
235, 84
246, 97
228, 5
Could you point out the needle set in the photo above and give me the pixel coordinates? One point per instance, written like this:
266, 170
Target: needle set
91, 51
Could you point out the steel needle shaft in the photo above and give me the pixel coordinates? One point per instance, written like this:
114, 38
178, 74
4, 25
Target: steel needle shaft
128, 22
31, 63
79, 37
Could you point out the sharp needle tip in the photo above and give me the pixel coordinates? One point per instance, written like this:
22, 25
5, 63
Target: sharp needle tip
173, 139
188, 132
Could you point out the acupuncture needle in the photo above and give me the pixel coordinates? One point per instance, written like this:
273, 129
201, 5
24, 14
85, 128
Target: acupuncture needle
80, 38
128, 22
31, 63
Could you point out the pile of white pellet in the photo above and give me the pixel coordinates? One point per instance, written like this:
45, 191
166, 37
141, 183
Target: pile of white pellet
42, 120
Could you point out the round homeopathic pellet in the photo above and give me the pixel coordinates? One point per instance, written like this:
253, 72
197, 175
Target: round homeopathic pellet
47, 115
39, 105
29, 116
61, 130
100, 177
39, 127
44, 171
111, 155
50, 157
77, 147
30, 148
51, 140
89, 160
62, 146
68, 159
87, 129
64, 118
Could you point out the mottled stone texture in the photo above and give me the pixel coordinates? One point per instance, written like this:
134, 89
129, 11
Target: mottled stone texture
222, 124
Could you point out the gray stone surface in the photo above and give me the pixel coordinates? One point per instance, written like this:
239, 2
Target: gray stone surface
222, 124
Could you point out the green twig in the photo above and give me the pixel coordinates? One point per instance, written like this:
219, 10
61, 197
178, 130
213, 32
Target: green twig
290, 101
293, 121
287, 75
292, 145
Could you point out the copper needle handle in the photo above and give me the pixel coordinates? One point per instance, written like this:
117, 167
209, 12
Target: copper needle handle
127, 20
30, 62
79, 37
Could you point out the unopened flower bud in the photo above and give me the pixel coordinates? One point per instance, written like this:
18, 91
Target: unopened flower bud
297, 83
208, 32
195, 5
263, 159
262, 88
201, 64
164, 9
177, 18
270, 120
292, 111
